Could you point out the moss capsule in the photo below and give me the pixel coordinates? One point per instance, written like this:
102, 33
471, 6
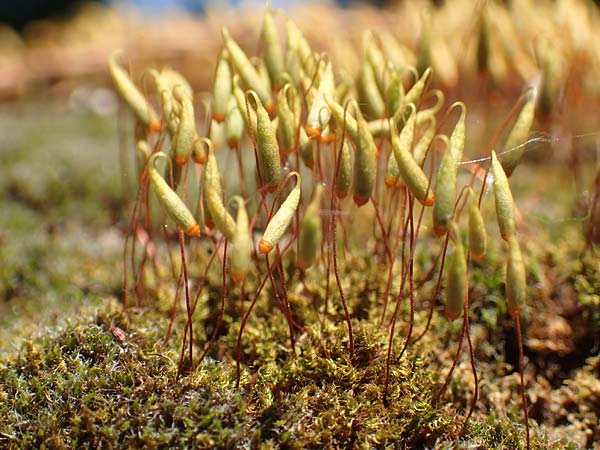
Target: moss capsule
516, 284
170, 201
281, 219
505, 205
456, 280
239, 258
311, 233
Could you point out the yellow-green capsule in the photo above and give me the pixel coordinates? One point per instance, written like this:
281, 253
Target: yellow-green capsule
221, 88
456, 280
165, 96
234, 124
311, 233
414, 93
213, 195
132, 95
174, 78
293, 64
173, 205
319, 114
142, 153
411, 172
282, 218
306, 149
375, 58
247, 72
394, 93
287, 124
343, 181
365, 162
445, 188
421, 147
198, 152
369, 93
272, 51
337, 111
516, 283
392, 173
186, 130
266, 142
426, 114
477, 232
505, 205
457, 138
240, 98
239, 258
296, 39
515, 143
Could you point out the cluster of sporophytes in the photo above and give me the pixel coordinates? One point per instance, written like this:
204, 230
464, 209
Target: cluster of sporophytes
378, 157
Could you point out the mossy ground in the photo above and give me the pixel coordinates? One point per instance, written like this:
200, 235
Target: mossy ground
78, 371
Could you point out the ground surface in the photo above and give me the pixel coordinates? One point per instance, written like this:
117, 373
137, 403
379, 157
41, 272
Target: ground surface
76, 371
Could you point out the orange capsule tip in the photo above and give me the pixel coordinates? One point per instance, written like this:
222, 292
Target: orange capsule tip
154, 127
264, 247
271, 109
326, 139
504, 236
272, 187
194, 230
430, 200
180, 160
440, 231
218, 117
238, 277
341, 194
389, 182
514, 312
360, 200
452, 316
312, 132
303, 264
200, 159
233, 144
478, 258
400, 185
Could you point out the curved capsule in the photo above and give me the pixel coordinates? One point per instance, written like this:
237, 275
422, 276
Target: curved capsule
306, 149
344, 176
411, 172
174, 78
516, 283
272, 51
421, 147
426, 114
515, 143
338, 113
287, 124
392, 173
173, 205
281, 219
142, 153
375, 58
239, 258
186, 130
221, 88
266, 142
456, 280
213, 195
198, 152
365, 162
132, 95
369, 93
319, 114
445, 188
457, 138
414, 93
477, 233
240, 99
164, 91
234, 124
247, 72
505, 205
311, 233
394, 93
